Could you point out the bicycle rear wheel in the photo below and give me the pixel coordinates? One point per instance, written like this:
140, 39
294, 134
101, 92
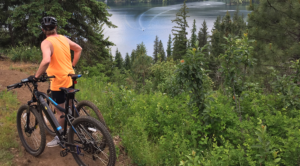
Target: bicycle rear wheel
94, 135
30, 130
87, 108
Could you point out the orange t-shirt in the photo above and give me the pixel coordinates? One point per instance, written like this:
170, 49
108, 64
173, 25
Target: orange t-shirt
60, 65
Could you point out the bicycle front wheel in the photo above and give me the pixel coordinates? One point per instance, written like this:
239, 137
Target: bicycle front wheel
31, 130
96, 142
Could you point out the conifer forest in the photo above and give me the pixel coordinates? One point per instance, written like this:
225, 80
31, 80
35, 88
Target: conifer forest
226, 95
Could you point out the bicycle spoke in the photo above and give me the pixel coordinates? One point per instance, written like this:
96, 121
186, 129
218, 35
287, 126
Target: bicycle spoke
95, 151
101, 160
33, 139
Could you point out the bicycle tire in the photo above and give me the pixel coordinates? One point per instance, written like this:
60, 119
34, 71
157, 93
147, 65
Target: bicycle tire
93, 111
45, 121
82, 124
39, 130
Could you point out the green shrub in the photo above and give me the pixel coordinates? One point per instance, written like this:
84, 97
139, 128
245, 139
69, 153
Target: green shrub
25, 54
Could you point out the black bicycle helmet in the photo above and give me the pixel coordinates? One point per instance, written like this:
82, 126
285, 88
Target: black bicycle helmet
49, 23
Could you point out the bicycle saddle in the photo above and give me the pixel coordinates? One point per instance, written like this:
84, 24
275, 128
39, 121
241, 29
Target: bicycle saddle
69, 90
75, 76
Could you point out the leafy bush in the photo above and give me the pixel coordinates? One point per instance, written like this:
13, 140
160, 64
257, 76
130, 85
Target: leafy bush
242, 126
25, 54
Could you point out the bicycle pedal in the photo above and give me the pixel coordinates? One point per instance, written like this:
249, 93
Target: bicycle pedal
64, 153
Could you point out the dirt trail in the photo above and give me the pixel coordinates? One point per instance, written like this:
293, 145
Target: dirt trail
50, 156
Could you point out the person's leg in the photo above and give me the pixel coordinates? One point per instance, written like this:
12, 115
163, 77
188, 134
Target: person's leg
59, 98
60, 120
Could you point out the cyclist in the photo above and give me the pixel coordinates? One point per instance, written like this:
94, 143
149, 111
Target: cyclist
57, 61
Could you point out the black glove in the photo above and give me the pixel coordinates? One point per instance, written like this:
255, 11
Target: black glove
32, 79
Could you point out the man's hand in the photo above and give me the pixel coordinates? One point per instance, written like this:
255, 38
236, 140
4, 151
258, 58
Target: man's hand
32, 78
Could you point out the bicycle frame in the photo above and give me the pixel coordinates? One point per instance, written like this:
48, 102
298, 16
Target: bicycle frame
73, 99
39, 97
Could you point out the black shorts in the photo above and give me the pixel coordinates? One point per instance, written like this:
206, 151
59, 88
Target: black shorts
60, 97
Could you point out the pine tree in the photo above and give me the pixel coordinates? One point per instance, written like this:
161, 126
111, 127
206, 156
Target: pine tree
169, 48
203, 35
226, 24
216, 38
161, 51
155, 52
274, 24
194, 36
84, 25
132, 56
119, 60
127, 64
140, 50
238, 24
180, 33
175, 47
141, 64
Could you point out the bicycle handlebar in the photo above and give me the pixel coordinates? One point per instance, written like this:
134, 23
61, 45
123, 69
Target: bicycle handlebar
20, 84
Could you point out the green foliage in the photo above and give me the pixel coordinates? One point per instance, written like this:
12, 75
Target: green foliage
119, 60
192, 76
127, 63
274, 24
223, 27
92, 71
82, 21
169, 47
179, 31
161, 51
140, 66
156, 50
25, 53
203, 35
161, 72
265, 150
8, 114
234, 65
194, 36
158, 129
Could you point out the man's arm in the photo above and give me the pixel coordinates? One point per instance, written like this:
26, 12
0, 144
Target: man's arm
46, 50
77, 51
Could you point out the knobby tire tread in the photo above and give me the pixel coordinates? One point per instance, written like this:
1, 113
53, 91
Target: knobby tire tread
94, 107
42, 131
104, 131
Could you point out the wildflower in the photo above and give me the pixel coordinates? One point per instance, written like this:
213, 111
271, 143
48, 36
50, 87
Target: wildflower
193, 152
194, 49
245, 34
182, 61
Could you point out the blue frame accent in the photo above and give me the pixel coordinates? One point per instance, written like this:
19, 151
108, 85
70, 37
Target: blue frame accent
79, 75
58, 128
74, 129
53, 101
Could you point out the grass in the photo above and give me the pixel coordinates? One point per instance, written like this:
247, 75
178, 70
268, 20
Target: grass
25, 67
8, 129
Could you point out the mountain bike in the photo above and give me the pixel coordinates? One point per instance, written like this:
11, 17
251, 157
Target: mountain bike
78, 108
88, 139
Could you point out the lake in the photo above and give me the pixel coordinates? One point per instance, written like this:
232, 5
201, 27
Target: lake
141, 22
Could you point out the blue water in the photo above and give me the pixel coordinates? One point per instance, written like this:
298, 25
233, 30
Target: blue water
142, 22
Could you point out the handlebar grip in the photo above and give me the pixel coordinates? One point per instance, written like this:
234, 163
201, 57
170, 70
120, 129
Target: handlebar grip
51, 77
13, 86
